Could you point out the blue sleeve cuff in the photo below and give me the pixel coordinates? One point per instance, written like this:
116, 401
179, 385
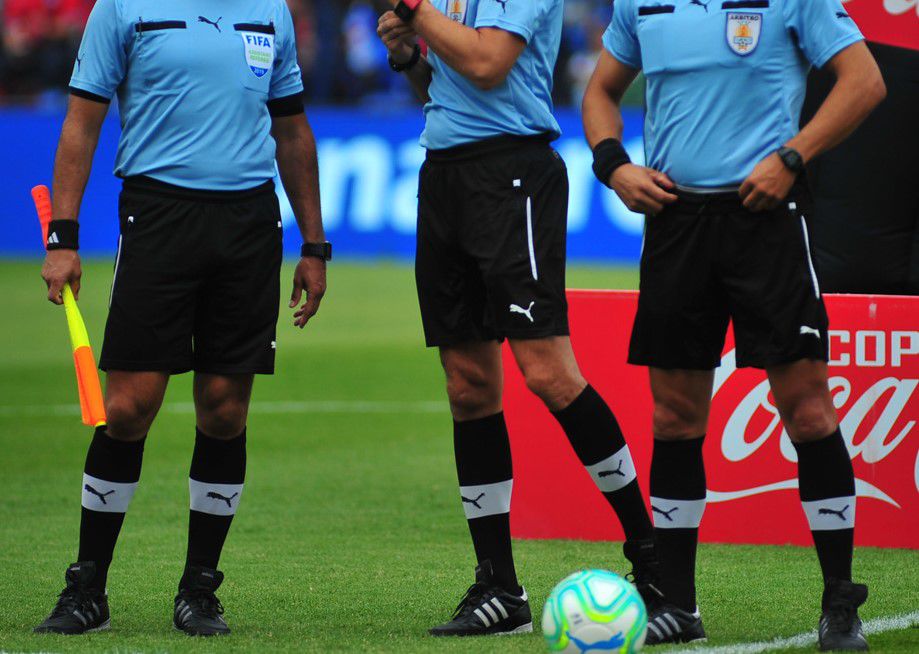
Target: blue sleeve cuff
838, 46
285, 90
92, 88
522, 31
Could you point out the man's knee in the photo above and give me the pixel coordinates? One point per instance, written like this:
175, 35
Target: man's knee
810, 418
677, 417
556, 388
222, 407
129, 417
473, 392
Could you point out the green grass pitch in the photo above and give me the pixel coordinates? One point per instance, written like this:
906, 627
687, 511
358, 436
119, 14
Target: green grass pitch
351, 536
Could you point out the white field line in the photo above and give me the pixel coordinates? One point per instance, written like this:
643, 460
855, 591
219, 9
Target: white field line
809, 639
270, 408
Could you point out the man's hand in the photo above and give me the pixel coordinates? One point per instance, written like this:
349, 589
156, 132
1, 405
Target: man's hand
643, 190
310, 277
398, 37
768, 184
62, 267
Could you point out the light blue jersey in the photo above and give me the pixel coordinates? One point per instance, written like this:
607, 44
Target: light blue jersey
726, 79
459, 112
193, 78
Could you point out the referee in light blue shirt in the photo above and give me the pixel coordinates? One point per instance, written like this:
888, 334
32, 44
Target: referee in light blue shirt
490, 266
726, 238
210, 97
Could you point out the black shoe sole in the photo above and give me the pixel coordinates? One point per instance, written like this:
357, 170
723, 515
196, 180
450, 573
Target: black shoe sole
522, 629
60, 632
208, 635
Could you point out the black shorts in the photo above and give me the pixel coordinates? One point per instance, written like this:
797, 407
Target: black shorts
706, 260
490, 262
197, 280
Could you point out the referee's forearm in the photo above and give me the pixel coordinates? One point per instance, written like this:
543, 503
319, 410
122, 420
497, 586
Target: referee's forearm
601, 116
299, 169
74, 158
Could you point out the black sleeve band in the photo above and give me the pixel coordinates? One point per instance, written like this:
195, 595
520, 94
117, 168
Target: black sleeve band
289, 105
86, 95
63, 235
608, 156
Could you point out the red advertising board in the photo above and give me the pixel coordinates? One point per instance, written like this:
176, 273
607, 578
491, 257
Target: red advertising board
894, 22
750, 463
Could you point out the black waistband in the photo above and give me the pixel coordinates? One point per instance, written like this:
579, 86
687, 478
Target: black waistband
496, 145
730, 201
144, 184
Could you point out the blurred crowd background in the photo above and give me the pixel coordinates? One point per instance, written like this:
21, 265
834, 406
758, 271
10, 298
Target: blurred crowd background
342, 60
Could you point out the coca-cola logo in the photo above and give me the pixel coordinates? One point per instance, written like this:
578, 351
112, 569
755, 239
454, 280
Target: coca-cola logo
754, 420
897, 7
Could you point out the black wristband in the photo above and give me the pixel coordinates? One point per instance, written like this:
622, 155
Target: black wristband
408, 65
63, 235
317, 250
608, 156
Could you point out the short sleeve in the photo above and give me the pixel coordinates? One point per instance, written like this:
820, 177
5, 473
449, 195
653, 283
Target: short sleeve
286, 78
621, 37
520, 17
823, 28
102, 60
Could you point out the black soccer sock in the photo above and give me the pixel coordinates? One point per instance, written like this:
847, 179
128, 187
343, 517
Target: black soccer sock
677, 504
598, 441
827, 489
485, 473
110, 478
215, 484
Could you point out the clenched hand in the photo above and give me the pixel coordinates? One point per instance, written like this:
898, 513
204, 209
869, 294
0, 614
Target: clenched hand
643, 190
62, 267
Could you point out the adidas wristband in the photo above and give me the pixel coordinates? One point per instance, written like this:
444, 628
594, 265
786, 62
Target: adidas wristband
608, 156
63, 235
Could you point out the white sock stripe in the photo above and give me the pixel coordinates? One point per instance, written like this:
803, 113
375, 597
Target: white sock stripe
491, 612
482, 618
487, 499
216, 499
106, 496
677, 514
614, 472
498, 605
830, 514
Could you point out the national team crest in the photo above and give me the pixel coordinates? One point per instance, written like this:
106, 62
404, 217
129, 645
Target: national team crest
743, 32
259, 51
456, 10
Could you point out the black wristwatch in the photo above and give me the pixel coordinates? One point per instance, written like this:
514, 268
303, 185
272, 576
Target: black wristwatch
317, 250
408, 65
792, 159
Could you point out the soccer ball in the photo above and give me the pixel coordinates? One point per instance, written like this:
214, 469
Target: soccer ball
594, 610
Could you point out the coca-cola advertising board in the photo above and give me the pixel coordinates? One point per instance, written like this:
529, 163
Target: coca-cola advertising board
893, 22
750, 463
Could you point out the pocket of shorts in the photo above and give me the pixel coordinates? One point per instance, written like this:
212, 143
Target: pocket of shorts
257, 43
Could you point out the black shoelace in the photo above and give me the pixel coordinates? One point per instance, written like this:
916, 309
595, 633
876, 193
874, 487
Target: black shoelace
71, 599
841, 618
203, 601
473, 597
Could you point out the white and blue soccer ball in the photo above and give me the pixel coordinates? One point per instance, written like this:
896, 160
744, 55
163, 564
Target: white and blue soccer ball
594, 611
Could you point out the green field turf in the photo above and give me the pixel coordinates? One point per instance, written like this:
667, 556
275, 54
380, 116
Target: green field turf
351, 537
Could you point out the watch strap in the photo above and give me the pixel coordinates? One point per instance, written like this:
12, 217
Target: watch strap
317, 250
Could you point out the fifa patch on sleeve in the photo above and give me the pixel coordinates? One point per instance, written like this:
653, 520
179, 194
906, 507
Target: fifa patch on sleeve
743, 32
456, 10
259, 50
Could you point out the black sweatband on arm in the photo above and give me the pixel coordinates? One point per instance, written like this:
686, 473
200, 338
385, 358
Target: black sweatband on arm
63, 235
86, 95
608, 156
289, 105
